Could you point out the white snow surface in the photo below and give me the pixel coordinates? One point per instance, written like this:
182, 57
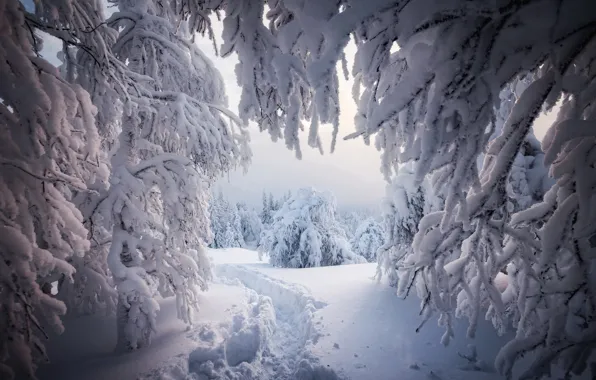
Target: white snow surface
260, 322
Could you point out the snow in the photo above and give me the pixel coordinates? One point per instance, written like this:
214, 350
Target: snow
366, 331
262, 322
85, 350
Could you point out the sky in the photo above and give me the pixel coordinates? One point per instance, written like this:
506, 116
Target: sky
351, 173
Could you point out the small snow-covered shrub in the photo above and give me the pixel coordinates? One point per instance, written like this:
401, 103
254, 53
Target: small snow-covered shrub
367, 239
304, 233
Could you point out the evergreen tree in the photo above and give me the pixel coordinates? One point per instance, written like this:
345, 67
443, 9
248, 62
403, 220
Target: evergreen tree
272, 205
216, 214
266, 210
250, 223
235, 226
226, 224
228, 238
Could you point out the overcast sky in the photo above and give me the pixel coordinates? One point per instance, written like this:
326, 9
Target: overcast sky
351, 172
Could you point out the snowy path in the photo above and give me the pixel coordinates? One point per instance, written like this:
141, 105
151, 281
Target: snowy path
361, 329
271, 339
265, 323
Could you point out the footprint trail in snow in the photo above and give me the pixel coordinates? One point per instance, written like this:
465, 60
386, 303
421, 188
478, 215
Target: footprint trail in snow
268, 338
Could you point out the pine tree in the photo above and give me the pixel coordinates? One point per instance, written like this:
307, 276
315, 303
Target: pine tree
226, 224
218, 220
250, 223
235, 226
266, 210
272, 205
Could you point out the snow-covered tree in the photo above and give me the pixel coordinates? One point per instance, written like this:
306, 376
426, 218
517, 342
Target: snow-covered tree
403, 208
266, 212
229, 237
250, 223
274, 204
87, 60
48, 148
528, 180
285, 197
349, 220
234, 236
368, 238
174, 141
305, 233
271, 205
217, 218
226, 224
433, 101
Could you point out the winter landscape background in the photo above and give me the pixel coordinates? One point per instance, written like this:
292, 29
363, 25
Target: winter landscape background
281, 189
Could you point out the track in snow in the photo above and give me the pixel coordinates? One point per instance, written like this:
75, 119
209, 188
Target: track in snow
268, 339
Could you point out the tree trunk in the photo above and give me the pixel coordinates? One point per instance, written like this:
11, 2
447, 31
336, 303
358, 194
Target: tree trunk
122, 343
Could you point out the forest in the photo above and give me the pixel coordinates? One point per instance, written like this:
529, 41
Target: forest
108, 165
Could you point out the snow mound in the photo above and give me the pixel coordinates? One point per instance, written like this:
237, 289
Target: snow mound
175, 369
273, 342
306, 371
234, 350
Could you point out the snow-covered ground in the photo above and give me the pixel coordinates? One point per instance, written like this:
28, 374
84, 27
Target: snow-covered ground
260, 322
